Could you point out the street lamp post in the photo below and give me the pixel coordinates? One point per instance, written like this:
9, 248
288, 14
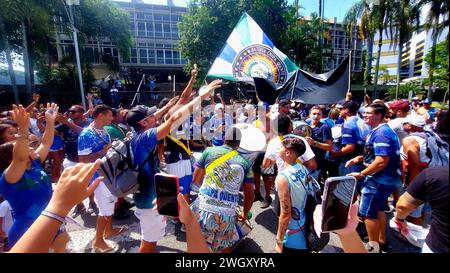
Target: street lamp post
77, 53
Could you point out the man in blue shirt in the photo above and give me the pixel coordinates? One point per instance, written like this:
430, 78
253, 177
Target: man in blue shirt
354, 134
381, 175
93, 143
144, 149
219, 124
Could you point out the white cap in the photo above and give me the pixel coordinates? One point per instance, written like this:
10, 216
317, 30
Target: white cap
416, 120
218, 106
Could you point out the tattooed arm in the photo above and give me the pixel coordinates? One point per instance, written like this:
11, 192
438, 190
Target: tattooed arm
285, 214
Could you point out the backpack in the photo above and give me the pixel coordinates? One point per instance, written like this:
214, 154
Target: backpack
313, 242
437, 149
121, 177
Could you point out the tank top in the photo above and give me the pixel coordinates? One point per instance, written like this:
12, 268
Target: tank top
296, 176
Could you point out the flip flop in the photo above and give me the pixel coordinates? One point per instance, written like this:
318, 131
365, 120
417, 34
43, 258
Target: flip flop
122, 230
108, 250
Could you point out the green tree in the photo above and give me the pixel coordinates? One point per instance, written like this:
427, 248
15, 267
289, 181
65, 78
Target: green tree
437, 9
303, 37
208, 23
404, 90
402, 16
441, 69
374, 18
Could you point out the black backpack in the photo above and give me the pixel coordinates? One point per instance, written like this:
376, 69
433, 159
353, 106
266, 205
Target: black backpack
314, 243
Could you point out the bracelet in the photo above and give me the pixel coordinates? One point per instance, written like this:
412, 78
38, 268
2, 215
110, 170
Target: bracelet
24, 136
54, 216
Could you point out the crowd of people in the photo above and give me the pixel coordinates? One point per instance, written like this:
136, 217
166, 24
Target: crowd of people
49, 164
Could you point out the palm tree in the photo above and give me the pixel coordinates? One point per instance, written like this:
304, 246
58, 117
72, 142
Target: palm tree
402, 13
359, 15
438, 8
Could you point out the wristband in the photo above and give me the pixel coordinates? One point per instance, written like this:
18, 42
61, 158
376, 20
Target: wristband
54, 216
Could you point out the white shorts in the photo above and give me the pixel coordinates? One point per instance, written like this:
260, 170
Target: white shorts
105, 200
180, 168
153, 225
67, 163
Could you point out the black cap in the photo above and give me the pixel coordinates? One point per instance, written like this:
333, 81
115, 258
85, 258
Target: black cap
138, 113
351, 105
284, 102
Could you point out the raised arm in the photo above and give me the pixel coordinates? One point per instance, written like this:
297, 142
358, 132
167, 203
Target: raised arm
183, 113
184, 98
34, 103
49, 133
161, 112
21, 151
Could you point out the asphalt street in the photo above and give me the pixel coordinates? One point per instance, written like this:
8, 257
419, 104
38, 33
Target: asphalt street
260, 240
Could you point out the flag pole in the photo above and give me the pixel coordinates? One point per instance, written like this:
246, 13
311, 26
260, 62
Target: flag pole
350, 70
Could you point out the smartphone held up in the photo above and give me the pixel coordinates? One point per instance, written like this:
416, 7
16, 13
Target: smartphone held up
338, 196
167, 189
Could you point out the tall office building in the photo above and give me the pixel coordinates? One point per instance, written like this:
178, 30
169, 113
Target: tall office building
155, 37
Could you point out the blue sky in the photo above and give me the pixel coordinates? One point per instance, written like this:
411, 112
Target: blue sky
333, 8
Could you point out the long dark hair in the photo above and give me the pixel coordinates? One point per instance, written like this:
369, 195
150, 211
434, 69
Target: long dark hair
5, 125
6, 155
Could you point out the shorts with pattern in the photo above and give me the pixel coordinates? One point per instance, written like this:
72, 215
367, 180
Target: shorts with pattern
218, 229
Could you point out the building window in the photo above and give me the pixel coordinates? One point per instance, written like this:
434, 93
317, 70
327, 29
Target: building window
158, 30
133, 56
141, 29
150, 30
160, 56
151, 56
143, 58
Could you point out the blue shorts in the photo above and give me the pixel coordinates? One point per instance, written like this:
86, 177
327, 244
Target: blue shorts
185, 184
373, 197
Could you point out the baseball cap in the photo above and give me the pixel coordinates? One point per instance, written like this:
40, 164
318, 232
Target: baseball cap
400, 105
415, 120
427, 101
415, 98
218, 106
138, 113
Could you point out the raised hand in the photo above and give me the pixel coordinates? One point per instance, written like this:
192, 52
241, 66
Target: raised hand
64, 119
21, 117
72, 187
36, 98
51, 113
210, 88
194, 71
89, 96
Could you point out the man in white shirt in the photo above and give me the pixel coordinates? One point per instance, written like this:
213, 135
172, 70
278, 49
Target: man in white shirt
272, 152
400, 109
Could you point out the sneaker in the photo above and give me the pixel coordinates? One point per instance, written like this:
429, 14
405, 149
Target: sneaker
266, 203
183, 228
92, 209
77, 211
373, 248
258, 197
